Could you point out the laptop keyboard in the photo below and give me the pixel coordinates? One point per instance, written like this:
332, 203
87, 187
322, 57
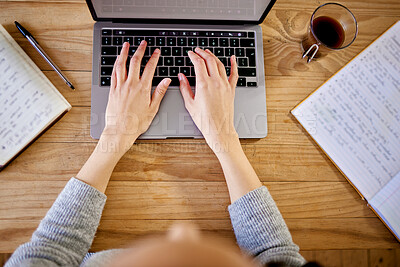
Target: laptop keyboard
174, 46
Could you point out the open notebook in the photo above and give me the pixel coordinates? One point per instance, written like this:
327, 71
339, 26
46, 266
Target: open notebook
29, 102
355, 118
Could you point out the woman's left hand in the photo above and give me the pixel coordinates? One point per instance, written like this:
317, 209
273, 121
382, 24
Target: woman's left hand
131, 107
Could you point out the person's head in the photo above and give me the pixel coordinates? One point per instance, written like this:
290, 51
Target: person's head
183, 246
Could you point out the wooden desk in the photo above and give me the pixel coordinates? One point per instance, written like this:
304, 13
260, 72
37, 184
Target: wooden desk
159, 182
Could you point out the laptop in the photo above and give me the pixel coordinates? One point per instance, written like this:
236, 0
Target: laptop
226, 27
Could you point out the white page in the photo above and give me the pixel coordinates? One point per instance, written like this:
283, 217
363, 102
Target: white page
355, 116
28, 101
387, 204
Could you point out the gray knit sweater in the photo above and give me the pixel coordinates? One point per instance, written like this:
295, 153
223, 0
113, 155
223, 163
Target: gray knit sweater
66, 233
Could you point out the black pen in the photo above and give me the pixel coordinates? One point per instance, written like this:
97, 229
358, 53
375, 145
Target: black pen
35, 44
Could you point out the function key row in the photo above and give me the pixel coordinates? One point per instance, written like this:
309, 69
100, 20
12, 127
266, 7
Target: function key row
181, 41
123, 32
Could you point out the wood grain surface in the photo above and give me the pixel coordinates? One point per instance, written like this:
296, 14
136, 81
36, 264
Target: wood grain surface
160, 182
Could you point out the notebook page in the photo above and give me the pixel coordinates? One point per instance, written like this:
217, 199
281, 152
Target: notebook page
28, 101
387, 204
355, 115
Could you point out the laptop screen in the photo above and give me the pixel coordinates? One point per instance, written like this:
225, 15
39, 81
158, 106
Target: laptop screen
237, 10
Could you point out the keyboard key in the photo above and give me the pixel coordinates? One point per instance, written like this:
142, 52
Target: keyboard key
160, 41
176, 51
152, 49
145, 60
171, 41
251, 35
242, 62
228, 71
182, 41
166, 51
224, 61
156, 80
109, 50
147, 51
213, 41
251, 54
192, 72
138, 40
188, 62
219, 52
168, 61
185, 70
239, 52
234, 42
106, 32
192, 81
186, 50
224, 42
117, 40
132, 50
173, 71
108, 60
105, 81
203, 42
241, 82
174, 81
150, 41
106, 70
229, 52
249, 72
251, 84
163, 71
129, 40
160, 61
179, 61
106, 41
192, 41
247, 43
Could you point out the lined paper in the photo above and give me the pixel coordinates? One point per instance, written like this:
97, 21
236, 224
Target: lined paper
355, 115
28, 101
386, 203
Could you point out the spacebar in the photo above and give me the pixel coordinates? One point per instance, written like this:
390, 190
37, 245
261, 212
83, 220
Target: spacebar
174, 81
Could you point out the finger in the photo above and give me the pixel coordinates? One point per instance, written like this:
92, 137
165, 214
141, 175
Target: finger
233, 78
221, 67
159, 93
200, 68
121, 64
136, 60
114, 76
186, 90
210, 61
151, 66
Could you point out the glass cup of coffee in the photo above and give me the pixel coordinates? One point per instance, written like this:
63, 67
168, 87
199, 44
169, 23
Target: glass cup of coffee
332, 27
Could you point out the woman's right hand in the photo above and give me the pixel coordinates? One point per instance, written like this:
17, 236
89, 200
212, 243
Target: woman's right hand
211, 107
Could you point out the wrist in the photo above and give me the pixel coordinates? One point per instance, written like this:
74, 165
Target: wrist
224, 145
111, 143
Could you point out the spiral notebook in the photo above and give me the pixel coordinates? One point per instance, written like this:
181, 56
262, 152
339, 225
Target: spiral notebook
355, 118
29, 102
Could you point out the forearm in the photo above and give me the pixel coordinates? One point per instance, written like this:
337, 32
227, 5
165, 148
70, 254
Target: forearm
66, 233
239, 174
98, 168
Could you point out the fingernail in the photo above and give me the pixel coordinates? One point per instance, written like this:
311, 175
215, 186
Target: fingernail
234, 57
180, 76
157, 51
197, 48
142, 42
126, 44
167, 81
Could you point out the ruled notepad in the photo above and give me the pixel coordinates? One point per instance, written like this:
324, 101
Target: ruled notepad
355, 118
29, 102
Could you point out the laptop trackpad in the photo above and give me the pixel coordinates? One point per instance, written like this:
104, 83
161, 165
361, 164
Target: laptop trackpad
172, 119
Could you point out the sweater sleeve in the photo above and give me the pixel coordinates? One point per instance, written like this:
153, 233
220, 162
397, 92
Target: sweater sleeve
67, 231
261, 231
